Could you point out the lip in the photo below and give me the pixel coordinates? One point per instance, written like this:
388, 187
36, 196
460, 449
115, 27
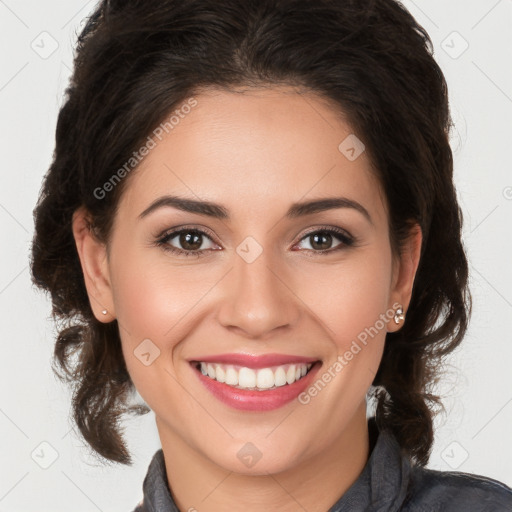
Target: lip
252, 400
254, 361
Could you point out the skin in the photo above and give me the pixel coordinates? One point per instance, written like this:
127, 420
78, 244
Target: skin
255, 152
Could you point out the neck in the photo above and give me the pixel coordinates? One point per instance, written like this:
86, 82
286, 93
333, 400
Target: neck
315, 484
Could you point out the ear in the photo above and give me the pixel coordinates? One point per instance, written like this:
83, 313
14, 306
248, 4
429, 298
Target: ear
404, 272
94, 262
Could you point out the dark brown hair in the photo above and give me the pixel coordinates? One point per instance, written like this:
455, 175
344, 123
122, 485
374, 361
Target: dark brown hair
137, 60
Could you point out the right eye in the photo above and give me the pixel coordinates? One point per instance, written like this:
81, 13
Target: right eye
191, 239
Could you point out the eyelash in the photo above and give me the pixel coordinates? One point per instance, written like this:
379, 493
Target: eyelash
347, 241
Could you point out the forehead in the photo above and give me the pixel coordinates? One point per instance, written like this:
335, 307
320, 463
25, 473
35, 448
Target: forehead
255, 150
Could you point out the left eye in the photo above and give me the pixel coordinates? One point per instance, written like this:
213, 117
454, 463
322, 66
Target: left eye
324, 237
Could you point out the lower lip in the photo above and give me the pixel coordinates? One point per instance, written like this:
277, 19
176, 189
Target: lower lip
249, 400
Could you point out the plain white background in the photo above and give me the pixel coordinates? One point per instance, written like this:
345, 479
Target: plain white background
473, 45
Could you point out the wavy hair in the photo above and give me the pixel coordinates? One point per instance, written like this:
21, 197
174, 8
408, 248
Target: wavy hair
137, 60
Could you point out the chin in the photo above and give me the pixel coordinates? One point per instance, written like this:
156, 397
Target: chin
255, 458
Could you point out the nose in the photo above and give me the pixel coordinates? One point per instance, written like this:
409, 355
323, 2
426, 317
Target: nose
258, 297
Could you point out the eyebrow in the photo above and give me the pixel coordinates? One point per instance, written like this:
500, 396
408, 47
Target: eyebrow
218, 211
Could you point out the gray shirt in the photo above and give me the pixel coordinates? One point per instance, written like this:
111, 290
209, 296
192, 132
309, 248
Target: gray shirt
388, 483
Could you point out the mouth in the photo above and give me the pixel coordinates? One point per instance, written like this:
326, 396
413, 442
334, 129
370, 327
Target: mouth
255, 379
255, 383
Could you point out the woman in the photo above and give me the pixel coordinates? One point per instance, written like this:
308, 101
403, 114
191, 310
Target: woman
250, 219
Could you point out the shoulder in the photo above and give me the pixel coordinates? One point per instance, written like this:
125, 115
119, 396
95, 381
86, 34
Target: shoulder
449, 491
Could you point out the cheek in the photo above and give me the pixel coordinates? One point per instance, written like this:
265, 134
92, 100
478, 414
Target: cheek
349, 297
154, 302
351, 302
152, 298
149, 304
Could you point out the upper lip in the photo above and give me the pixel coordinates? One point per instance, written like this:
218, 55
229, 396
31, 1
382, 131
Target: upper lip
254, 361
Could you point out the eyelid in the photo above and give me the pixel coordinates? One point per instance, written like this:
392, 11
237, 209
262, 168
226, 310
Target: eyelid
190, 227
336, 229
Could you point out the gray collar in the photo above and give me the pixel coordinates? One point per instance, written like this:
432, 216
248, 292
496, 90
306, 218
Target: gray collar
381, 487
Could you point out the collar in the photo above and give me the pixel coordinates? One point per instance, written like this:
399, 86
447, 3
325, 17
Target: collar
383, 484
381, 487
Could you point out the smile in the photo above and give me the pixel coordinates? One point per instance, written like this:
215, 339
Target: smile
261, 379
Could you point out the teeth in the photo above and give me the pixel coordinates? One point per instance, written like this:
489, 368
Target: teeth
247, 378
290, 374
231, 377
220, 374
280, 377
242, 377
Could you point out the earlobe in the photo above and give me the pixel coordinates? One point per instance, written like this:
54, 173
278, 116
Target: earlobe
93, 259
406, 268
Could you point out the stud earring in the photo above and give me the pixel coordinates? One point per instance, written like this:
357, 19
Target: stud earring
104, 311
399, 315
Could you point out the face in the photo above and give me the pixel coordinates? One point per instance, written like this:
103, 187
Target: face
255, 275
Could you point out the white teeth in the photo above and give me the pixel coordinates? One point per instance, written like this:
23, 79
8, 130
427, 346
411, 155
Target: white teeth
280, 377
231, 376
265, 378
260, 379
290, 374
220, 374
246, 378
